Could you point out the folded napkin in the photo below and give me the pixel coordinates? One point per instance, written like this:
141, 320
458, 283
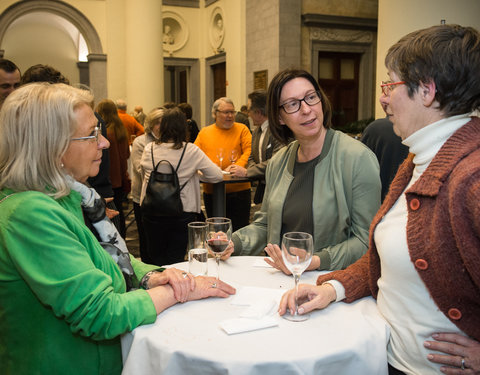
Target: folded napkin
261, 307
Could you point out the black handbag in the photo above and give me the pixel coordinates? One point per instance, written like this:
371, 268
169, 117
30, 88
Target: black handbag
162, 196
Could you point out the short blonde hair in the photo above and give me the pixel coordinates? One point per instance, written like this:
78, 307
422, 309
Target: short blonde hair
153, 117
37, 122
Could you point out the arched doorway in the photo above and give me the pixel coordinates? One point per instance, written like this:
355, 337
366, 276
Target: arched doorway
97, 68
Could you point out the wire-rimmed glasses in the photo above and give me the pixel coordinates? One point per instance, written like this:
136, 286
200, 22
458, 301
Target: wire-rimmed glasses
93, 136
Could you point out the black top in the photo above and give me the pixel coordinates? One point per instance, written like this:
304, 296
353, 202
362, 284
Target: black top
387, 146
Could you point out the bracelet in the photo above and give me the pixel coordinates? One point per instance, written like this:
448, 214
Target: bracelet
145, 279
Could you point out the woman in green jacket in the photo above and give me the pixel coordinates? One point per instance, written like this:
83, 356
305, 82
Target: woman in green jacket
63, 298
324, 182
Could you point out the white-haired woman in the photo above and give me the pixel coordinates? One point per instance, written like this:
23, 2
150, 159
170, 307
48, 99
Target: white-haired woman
63, 299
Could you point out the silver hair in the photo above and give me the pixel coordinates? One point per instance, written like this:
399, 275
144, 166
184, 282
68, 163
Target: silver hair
217, 104
36, 122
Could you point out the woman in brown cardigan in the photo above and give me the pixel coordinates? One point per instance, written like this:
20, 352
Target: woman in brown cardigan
423, 264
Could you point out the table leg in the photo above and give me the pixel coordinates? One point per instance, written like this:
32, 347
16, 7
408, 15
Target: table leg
218, 198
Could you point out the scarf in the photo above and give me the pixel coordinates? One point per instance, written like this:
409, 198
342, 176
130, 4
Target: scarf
94, 208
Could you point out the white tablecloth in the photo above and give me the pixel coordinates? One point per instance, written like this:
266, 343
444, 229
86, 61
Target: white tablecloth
186, 339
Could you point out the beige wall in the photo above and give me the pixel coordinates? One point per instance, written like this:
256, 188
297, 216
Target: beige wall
36, 42
398, 18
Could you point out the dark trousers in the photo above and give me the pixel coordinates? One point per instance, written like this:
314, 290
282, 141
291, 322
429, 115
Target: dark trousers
142, 241
393, 371
237, 207
167, 237
118, 197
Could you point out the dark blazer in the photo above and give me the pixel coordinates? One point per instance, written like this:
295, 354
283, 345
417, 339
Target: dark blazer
255, 168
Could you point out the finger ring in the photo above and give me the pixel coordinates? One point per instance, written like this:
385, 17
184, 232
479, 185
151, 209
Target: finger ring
184, 274
463, 364
214, 285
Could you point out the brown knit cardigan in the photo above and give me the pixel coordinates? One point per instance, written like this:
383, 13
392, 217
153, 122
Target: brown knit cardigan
443, 231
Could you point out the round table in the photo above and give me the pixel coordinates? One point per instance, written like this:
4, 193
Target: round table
187, 338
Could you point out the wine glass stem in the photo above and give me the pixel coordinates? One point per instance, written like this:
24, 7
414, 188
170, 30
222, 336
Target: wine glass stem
296, 278
217, 259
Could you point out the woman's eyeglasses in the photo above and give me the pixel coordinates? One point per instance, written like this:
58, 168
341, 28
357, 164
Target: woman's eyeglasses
388, 86
294, 105
93, 136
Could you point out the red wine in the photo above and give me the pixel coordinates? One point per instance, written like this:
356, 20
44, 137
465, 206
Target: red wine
217, 245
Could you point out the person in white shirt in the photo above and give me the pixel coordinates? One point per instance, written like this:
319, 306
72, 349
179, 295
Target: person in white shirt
423, 262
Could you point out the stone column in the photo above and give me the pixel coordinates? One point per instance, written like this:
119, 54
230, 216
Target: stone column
144, 54
97, 67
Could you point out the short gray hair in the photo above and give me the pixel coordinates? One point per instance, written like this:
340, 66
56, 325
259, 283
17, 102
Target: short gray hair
217, 104
36, 122
153, 118
121, 104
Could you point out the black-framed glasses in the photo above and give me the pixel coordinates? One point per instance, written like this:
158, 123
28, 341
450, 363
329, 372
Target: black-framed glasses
226, 113
294, 105
388, 86
93, 136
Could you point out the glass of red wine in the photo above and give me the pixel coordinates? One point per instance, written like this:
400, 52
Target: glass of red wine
218, 237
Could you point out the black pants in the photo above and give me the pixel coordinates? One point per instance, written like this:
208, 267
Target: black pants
167, 237
237, 207
393, 371
142, 240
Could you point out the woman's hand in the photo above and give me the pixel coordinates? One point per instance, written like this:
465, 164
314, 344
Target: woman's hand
228, 251
277, 262
317, 297
210, 287
183, 283
456, 347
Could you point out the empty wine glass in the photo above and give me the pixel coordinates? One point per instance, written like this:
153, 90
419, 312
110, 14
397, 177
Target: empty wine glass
297, 249
220, 157
233, 156
218, 237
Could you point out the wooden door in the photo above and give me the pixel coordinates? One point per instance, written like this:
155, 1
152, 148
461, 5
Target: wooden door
338, 77
219, 80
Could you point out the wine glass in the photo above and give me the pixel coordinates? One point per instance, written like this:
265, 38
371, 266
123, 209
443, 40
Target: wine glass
297, 249
233, 156
220, 157
218, 237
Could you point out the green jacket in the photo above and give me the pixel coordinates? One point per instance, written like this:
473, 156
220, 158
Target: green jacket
346, 197
63, 300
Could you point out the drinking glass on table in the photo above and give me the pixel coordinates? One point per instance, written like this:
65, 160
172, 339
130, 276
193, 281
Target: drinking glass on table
233, 156
297, 249
218, 237
197, 248
220, 157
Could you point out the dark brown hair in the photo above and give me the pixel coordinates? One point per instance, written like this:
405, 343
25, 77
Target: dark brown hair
448, 55
173, 128
282, 132
258, 100
108, 110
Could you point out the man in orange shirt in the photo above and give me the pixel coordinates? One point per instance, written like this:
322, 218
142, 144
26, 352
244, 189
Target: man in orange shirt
218, 141
134, 128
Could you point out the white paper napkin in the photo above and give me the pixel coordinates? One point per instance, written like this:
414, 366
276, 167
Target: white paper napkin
239, 325
260, 310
